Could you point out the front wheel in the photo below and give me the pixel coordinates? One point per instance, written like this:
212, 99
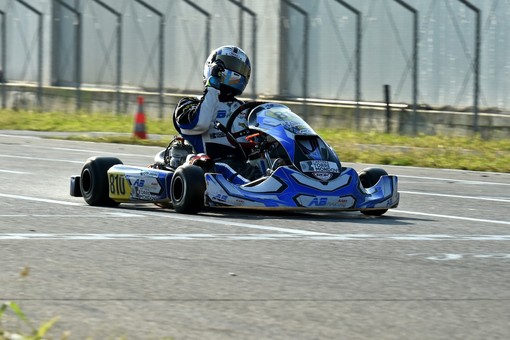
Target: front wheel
94, 181
187, 189
369, 177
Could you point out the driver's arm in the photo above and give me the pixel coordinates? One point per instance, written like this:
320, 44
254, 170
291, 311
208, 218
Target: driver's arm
200, 120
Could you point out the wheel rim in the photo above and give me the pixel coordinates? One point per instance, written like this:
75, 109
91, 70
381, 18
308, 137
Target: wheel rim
178, 188
86, 181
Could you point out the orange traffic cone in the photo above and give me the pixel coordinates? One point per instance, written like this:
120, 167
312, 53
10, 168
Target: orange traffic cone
140, 121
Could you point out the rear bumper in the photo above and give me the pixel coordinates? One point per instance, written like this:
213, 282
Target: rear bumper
75, 186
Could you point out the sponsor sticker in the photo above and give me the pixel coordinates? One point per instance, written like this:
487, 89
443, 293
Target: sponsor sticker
214, 135
143, 194
327, 201
149, 173
322, 176
319, 166
297, 128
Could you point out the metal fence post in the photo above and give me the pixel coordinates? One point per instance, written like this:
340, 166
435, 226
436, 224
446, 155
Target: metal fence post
78, 42
40, 50
241, 25
253, 43
305, 56
119, 49
387, 100
415, 61
207, 26
4, 62
358, 58
476, 63
161, 38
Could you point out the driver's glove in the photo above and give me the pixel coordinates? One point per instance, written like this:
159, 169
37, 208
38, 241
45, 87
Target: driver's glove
216, 74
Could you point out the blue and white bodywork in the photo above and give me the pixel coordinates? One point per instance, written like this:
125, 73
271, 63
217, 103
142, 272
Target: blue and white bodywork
313, 177
301, 172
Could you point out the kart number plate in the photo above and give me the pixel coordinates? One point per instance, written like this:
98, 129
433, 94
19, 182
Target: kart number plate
319, 166
119, 186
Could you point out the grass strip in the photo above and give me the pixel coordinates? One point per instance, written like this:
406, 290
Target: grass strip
365, 147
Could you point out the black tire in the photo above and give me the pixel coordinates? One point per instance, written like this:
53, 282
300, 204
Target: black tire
369, 177
94, 181
187, 189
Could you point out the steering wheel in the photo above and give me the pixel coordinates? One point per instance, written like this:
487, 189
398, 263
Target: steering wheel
227, 130
233, 116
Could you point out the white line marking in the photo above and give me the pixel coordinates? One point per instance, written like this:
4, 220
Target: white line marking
102, 152
105, 215
247, 237
181, 217
305, 232
461, 171
449, 257
235, 224
43, 159
453, 180
252, 226
20, 136
45, 200
450, 217
456, 196
123, 214
14, 172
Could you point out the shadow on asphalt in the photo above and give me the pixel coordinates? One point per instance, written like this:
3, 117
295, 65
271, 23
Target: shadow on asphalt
259, 215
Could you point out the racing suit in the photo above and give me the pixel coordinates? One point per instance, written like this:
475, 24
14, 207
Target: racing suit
194, 119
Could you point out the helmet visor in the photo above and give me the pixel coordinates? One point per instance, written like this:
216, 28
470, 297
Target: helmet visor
234, 64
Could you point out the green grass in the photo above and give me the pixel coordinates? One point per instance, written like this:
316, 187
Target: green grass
34, 333
427, 151
27, 331
364, 147
76, 122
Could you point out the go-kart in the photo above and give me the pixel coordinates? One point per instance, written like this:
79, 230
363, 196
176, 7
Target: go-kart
300, 171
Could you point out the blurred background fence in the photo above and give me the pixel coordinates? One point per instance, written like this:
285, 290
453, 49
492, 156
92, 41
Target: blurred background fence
445, 55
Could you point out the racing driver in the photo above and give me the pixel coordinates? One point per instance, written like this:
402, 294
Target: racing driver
226, 74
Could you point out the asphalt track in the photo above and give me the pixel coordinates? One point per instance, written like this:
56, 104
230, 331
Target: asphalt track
438, 267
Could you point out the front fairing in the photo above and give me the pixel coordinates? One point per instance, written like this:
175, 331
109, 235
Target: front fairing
288, 188
305, 149
279, 122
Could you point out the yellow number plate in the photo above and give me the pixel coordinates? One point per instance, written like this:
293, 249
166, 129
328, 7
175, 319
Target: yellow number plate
119, 187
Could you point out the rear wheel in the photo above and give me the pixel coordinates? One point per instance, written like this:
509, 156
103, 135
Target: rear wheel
369, 177
187, 189
94, 181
